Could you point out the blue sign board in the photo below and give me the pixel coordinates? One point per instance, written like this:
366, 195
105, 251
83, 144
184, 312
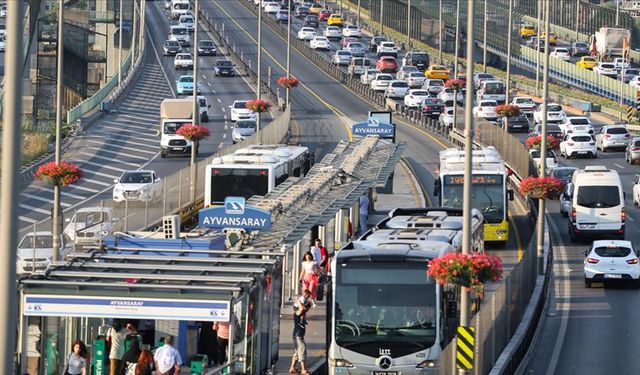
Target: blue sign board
373, 127
234, 214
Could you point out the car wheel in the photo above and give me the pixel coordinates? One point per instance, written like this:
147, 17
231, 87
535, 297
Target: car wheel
587, 283
594, 156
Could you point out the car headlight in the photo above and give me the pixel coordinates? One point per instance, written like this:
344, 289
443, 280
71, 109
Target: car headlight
339, 362
117, 190
429, 363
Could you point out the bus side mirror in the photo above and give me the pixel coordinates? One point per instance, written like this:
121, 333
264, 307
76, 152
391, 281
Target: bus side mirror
510, 194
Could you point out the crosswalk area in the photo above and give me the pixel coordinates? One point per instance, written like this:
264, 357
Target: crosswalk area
122, 140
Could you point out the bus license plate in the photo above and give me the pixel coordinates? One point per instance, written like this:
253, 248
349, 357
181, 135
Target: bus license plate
612, 276
385, 373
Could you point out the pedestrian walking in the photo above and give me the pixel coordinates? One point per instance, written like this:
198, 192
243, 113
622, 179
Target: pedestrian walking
116, 336
309, 274
77, 360
167, 358
222, 330
145, 363
300, 309
364, 212
130, 358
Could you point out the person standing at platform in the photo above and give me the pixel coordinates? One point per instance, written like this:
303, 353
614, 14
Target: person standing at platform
300, 308
309, 274
116, 336
222, 330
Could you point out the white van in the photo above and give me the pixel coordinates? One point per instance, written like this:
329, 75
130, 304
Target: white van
597, 203
491, 90
204, 107
179, 7
180, 34
358, 66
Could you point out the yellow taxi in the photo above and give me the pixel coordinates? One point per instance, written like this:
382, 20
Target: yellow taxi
527, 31
315, 8
587, 62
553, 39
437, 72
335, 20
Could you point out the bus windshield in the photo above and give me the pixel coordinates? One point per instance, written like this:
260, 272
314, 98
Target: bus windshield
238, 183
494, 88
398, 310
488, 195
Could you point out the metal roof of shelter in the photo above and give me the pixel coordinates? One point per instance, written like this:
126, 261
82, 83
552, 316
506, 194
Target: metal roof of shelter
336, 182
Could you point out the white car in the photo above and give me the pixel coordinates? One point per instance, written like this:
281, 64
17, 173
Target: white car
332, 32
612, 136
606, 69
611, 260
579, 144
636, 191
387, 49
555, 113
576, 124
306, 33
414, 97
635, 81
351, 31
526, 105
552, 160
486, 109
183, 61
186, 20
446, 118
239, 111
416, 79
381, 81
447, 96
341, 57
561, 53
242, 130
397, 89
619, 62
35, 250
271, 7
368, 76
320, 42
138, 186
433, 85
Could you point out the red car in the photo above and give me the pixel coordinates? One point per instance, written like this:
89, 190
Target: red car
324, 14
387, 64
345, 41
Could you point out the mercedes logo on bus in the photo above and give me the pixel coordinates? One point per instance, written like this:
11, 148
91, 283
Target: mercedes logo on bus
384, 362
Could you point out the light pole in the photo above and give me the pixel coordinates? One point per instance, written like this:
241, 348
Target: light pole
468, 155
134, 36
577, 18
510, 26
195, 109
540, 5
617, 13
358, 19
625, 51
381, 20
287, 92
455, 60
484, 37
120, 45
10, 192
441, 25
258, 73
55, 220
408, 24
543, 144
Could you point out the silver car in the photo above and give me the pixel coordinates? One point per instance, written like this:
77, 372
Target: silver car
612, 136
242, 130
342, 57
356, 49
566, 199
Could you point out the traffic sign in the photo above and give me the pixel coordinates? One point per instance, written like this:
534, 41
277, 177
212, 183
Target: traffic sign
465, 347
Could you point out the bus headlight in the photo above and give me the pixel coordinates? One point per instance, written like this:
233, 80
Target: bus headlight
429, 363
341, 363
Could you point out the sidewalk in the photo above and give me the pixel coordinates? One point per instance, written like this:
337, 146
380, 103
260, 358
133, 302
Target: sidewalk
406, 193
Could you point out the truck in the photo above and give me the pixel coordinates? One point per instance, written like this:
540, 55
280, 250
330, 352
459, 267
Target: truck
175, 113
608, 42
89, 225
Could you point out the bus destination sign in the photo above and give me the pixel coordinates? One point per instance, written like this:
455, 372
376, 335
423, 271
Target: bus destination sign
476, 180
373, 126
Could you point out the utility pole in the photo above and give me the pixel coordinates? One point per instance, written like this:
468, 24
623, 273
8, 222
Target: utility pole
543, 144
625, 51
468, 155
134, 36
288, 91
540, 5
577, 19
510, 33
617, 13
120, 45
55, 220
358, 19
195, 109
143, 4
484, 36
258, 73
455, 60
408, 24
441, 25
381, 19
10, 192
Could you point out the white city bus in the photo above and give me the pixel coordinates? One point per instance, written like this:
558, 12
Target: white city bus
384, 315
253, 170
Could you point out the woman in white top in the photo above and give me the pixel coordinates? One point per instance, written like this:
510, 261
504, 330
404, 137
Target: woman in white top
309, 274
77, 360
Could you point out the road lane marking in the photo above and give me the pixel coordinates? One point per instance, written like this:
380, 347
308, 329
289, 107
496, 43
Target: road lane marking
27, 219
63, 193
112, 160
97, 182
224, 136
117, 153
219, 100
100, 140
41, 199
36, 209
618, 165
226, 126
225, 117
80, 187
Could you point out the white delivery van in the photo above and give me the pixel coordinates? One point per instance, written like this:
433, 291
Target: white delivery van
179, 7
597, 204
358, 66
491, 90
175, 113
180, 34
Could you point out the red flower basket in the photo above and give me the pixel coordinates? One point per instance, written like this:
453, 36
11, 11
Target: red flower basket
468, 270
455, 84
288, 83
193, 133
534, 142
507, 110
258, 106
540, 187
61, 174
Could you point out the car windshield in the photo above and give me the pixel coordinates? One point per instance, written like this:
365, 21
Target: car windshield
612, 251
563, 173
580, 45
617, 131
206, 44
399, 84
223, 63
179, 31
420, 93
436, 83
581, 138
187, 19
355, 45
171, 43
187, 79
494, 88
39, 241
552, 128
536, 154
246, 124
430, 101
172, 127
181, 6
420, 57
416, 75
553, 108
607, 66
240, 105
589, 59
579, 121
599, 196
343, 53
487, 195
489, 104
135, 178
562, 50
384, 78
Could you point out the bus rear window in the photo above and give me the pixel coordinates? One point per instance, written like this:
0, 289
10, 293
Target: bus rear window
238, 183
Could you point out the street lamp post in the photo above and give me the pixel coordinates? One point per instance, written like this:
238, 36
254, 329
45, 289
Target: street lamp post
134, 36
540, 5
381, 19
509, 34
358, 19
288, 90
455, 60
484, 37
577, 18
55, 220
408, 23
120, 45
441, 31
195, 109
258, 72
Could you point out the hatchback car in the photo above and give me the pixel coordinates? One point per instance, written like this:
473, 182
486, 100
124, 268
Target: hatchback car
587, 62
447, 96
341, 57
183, 61
375, 41
332, 32
611, 260
368, 76
486, 109
387, 48
632, 152
526, 105
434, 86
414, 97
561, 53
552, 159
576, 124
433, 107
239, 111
224, 68
518, 123
311, 20
612, 136
335, 20
206, 48
437, 71
416, 79
405, 70
397, 89
579, 144
352, 31
306, 33
381, 81
387, 64
184, 85
138, 185
606, 69
446, 117
320, 42
35, 250
302, 12
356, 49
628, 74
579, 49
171, 47
555, 114
282, 15
242, 130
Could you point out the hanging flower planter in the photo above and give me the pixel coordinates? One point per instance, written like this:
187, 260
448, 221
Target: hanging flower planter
468, 270
507, 110
258, 106
540, 187
534, 142
60, 174
288, 83
193, 133
455, 83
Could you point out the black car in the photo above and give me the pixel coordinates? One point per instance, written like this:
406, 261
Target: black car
516, 123
419, 59
225, 68
579, 49
373, 43
206, 47
311, 20
432, 107
302, 12
171, 47
552, 130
